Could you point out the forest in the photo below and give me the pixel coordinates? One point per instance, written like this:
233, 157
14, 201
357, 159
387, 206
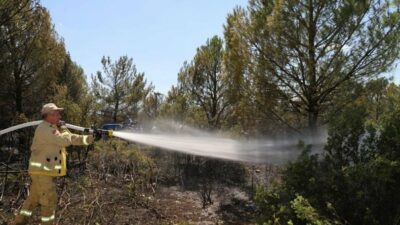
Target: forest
282, 68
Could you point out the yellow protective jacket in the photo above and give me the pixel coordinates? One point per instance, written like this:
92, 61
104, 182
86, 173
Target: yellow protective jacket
48, 154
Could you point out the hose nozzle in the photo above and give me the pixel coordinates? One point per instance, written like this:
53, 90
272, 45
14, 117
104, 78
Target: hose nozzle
109, 133
99, 133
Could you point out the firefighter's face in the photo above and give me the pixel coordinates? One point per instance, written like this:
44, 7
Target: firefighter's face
53, 117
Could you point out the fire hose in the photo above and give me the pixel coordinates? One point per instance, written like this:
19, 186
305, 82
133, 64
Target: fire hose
97, 133
94, 131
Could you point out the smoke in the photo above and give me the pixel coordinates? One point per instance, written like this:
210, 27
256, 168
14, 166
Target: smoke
180, 138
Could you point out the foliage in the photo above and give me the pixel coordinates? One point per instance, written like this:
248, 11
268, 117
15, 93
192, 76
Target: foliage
302, 52
34, 65
355, 180
281, 66
121, 89
201, 81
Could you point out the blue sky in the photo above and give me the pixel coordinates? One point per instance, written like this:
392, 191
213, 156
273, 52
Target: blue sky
158, 35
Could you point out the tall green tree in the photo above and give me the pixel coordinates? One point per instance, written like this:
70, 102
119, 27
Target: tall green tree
202, 79
120, 88
309, 49
255, 102
19, 45
30, 59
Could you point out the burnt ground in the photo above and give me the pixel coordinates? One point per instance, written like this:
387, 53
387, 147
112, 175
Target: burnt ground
90, 199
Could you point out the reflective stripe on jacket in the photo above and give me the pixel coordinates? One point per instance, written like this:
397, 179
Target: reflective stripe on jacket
48, 154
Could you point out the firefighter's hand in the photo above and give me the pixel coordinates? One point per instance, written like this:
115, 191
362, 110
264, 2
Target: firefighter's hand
61, 123
62, 126
97, 135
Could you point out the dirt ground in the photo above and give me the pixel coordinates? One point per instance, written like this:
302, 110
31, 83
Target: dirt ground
90, 200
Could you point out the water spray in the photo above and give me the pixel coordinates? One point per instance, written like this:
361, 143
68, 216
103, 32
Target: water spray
197, 142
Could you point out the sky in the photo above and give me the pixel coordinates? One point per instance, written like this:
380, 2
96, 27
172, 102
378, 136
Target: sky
158, 34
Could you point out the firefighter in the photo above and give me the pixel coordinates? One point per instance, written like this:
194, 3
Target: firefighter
48, 160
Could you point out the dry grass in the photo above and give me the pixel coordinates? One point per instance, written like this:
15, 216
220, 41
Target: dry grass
120, 185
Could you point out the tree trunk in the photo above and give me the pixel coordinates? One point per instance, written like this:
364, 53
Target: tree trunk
18, 98
313, 110
313, 120
18, 91
115, 112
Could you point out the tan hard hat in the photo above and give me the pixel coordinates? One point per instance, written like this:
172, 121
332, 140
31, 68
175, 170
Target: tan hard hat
50, 107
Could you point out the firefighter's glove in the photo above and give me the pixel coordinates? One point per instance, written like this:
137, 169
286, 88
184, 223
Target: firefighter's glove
62, 126
97, 135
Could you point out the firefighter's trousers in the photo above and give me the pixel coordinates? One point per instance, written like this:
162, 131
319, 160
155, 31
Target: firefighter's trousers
41, 192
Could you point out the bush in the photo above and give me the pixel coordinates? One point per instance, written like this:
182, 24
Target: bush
121, 159
355, 181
